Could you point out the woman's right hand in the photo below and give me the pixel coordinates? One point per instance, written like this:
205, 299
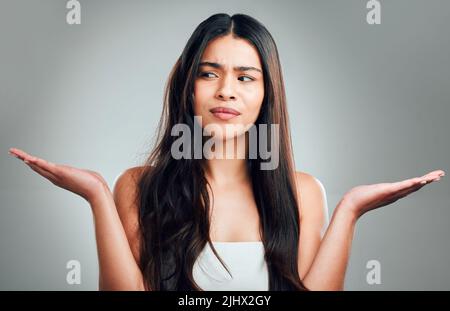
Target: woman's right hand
87, 184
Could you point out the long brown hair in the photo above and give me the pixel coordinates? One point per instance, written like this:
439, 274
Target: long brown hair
173, 198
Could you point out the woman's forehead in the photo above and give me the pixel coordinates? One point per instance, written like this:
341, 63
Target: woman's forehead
230, 51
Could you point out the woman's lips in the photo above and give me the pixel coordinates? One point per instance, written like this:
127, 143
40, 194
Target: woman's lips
224, 116
223, 113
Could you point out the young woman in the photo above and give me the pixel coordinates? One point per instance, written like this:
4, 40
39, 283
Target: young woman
166, 221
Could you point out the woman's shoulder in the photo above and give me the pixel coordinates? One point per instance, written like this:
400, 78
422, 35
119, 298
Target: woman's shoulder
312, 197
125, 184
129, 175
134, 171
308, 182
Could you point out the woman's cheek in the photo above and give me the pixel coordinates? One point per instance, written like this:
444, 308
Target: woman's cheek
199, 97
256, 106
255, 98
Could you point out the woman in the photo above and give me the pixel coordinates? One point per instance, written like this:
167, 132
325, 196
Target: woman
196, 196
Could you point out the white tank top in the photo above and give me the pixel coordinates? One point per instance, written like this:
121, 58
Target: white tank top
245, 261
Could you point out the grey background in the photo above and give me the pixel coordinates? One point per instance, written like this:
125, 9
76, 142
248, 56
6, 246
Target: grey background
368, 104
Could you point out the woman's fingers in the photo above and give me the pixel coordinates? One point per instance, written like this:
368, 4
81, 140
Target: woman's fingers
403, 193
433, 175
82, 182
20, 154
37, 162
45, 165
412, 182
40, 166
404, 188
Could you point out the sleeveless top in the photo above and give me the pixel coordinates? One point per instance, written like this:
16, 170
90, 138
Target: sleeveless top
244, 260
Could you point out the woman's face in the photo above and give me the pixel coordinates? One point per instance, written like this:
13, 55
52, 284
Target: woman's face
229, 77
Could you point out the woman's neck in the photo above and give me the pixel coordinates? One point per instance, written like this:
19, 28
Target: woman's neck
233, 167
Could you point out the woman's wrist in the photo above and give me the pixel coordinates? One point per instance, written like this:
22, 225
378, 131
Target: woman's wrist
346, 210
100, 198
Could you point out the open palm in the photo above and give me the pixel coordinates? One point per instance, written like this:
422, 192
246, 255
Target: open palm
364, 198
85, 183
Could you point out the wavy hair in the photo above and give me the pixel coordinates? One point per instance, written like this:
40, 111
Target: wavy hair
172, 194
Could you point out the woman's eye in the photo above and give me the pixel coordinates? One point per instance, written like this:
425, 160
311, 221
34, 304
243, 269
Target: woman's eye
208, 75
245, 77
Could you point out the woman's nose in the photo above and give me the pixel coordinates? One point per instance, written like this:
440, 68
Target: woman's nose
226, 97
226, 90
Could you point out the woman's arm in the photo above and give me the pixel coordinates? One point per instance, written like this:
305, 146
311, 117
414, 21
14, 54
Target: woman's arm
327, 271
118, 268
314, 220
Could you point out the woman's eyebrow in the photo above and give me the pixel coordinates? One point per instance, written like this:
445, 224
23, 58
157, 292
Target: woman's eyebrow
237, 68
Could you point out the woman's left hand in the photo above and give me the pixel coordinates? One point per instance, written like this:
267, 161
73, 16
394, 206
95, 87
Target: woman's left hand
362, 199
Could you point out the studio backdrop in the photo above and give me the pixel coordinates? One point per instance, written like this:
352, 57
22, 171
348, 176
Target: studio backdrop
368, 96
